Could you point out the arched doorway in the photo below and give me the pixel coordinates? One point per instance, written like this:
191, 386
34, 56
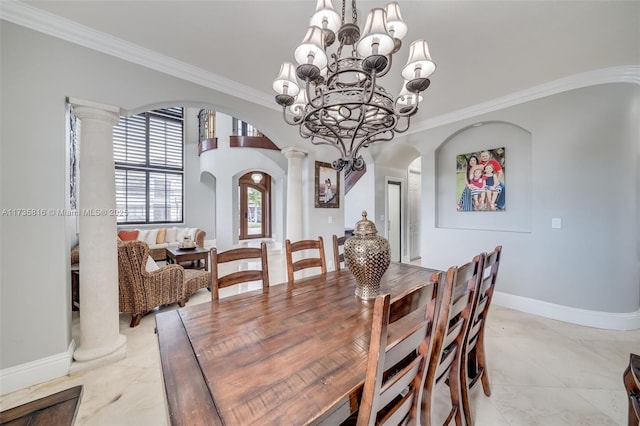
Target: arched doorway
255, 205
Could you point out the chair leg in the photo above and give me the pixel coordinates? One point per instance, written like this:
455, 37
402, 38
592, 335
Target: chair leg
456, 393
464, 390
135, 320
481, 363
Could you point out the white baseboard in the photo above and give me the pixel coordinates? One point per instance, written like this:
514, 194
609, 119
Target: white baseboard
597, 319
38, 371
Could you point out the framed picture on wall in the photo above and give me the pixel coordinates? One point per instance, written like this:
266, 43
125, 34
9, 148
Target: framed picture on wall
480, 182
327, 186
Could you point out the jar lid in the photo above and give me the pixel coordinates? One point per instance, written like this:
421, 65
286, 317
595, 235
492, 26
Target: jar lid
365, 226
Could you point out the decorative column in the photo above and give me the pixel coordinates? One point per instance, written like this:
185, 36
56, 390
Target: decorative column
100, 338
294, 192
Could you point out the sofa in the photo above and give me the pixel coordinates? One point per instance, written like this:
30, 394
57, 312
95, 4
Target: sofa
158, 239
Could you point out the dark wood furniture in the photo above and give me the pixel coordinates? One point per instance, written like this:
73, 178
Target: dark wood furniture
396, 364
285, 355
632, 386
179, 256
59, 409
305, 262
448, 341
243, 275
338, 254
476, 358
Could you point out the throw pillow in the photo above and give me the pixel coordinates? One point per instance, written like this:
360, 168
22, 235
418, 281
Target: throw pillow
192, 233
151, 265
128, 235
170, 235
151, 237
182, 232
161, 235
142, 235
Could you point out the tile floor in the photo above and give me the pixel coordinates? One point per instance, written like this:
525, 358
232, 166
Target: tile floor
542, 372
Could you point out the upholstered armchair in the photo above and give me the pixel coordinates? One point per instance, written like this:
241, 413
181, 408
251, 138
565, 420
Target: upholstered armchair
142, 290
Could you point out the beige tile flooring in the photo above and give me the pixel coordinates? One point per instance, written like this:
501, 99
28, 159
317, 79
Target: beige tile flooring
542, 372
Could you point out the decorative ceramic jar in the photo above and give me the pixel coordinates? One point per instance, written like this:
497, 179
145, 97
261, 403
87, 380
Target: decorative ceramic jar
367, 256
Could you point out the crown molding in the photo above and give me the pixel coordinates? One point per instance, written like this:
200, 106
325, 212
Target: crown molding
621, 74
36, 19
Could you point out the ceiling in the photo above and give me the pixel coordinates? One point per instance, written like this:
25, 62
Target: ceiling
483, 49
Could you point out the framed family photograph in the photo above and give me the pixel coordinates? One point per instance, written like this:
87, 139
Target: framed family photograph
327, 189
480, 182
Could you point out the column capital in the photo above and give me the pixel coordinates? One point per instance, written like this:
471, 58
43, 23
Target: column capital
94, 110
294, 152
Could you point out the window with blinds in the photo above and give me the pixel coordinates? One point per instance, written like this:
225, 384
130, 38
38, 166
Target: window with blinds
149, 167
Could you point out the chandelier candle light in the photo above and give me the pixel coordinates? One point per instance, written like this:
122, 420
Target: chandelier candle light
342, 104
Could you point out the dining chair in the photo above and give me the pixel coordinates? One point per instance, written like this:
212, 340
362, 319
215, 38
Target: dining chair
632, 386
305, 262
445, 365
476, 359
338, 253
397, 358
239, 276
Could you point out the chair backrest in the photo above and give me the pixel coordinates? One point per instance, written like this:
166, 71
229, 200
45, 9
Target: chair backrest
132, 258
338, 255
455, 293
632, 386
480, 310
241, 276
307, 262
396, 366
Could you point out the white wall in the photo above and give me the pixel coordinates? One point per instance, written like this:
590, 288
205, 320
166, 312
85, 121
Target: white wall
584, 157
227, 165
199, 187
361, 198
38, 74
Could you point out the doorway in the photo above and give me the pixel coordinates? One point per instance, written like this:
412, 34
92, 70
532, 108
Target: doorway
394, 219
255, 205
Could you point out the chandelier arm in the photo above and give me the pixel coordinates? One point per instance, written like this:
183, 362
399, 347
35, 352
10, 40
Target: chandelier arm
338, 138
330, 142
388, 67
293, 121
370, 140
355, 153
406, 127
311, 98
372, 84
404, 112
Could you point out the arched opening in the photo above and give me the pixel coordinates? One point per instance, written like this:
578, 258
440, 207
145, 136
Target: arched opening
255, 205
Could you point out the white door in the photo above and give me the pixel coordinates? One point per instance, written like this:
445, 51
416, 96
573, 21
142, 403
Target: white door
394, 223
414, 214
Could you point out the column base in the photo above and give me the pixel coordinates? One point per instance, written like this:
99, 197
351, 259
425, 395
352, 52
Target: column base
89, 359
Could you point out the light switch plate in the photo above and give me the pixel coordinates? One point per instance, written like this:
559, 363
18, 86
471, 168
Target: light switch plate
556, 223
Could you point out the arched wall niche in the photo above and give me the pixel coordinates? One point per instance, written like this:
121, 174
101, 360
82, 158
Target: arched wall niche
517, 142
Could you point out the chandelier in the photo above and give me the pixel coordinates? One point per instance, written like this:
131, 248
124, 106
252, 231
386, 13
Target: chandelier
341, 103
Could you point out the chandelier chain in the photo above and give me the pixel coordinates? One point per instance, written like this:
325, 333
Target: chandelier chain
354, 12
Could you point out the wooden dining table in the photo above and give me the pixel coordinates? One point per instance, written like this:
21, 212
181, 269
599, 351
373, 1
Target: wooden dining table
286, 355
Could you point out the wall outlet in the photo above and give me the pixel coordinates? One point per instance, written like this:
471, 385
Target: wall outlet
330, 219
556, 223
